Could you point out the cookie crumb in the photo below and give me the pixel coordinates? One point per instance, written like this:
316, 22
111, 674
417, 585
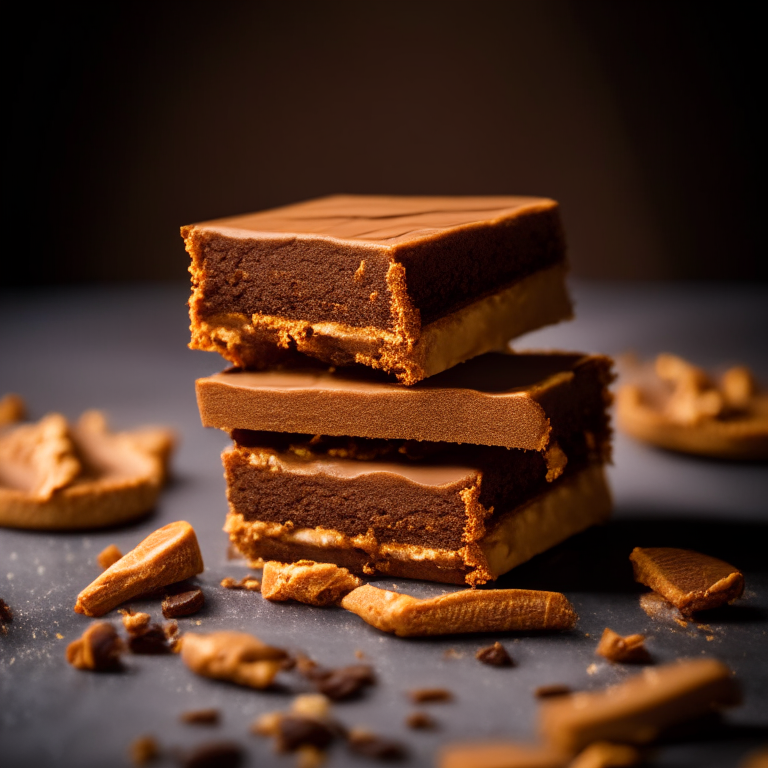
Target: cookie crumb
430, 695
98, 649
627, 650
201, 716
552, 690
495, 656
420, 721
144, 750
109, 556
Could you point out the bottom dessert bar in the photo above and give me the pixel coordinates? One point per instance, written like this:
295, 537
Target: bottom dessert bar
434, 511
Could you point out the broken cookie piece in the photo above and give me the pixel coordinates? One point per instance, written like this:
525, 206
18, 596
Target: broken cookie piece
12, 409
689, 580
307, 582
144, 750
108, 556
166, 556
638, 710
98, 649
234, 656
250, 583
629, 649
54, 475
678, 406
498, 610
135, 623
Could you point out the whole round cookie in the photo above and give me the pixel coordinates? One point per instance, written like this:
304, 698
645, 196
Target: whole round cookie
54, 475
677, 406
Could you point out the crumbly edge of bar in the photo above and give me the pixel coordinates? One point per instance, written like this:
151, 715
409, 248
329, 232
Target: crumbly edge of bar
550, 517
486, 324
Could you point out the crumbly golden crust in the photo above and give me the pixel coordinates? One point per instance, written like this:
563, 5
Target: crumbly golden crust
487, 324
59, 476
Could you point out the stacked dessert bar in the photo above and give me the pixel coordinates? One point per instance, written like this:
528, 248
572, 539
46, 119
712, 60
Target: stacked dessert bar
378, 420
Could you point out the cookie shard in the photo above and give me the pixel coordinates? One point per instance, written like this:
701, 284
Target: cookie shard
409, 285
168, 555
640, 709
523, 400
307, 582
499, 610
689, 580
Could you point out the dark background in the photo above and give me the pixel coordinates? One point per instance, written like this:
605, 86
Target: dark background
129, 119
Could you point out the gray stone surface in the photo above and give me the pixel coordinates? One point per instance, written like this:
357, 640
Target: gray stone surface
124, 350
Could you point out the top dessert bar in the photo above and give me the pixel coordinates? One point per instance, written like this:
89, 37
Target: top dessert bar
409, 285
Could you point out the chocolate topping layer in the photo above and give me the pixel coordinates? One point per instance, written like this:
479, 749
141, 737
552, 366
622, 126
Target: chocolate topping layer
382, 281
517, 401
321, 260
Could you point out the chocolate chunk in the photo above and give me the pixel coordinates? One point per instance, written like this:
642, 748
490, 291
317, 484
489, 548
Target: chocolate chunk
294, 731
214, 754
371, 745
6, 614
420, 721
183, 604
552, 690
629, 649
342, 683
150, 641
495, 656
425, 695
201, 717
98, 649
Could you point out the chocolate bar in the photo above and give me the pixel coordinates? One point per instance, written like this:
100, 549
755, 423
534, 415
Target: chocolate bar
525, 401
408, 285
435, 511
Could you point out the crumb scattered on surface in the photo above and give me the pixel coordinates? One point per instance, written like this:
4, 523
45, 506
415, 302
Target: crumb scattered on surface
554, 689
201, 716
98, 649
370, 745
150, 640
214, 754
135, 623
494, 655
234, 656
337, 684
430, 695
628, 650
420, 721
307, 582
250, 583
109, 556
144, 750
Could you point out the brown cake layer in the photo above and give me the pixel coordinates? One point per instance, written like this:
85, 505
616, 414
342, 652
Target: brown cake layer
523, 401
411, 285
376, 504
